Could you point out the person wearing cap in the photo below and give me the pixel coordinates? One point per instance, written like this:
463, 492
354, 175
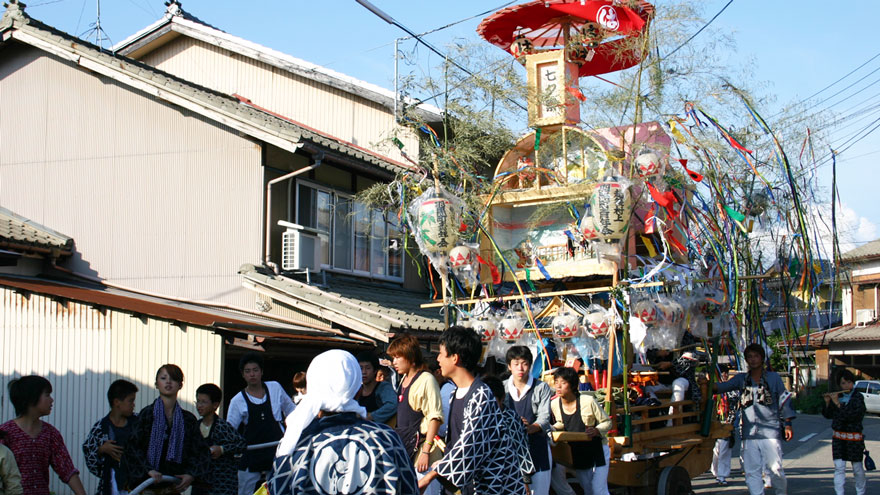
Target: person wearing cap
329, 445
765, 414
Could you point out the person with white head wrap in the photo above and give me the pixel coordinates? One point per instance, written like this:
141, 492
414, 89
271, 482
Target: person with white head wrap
329, 448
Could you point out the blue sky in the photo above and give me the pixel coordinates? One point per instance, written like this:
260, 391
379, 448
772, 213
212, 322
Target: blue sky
796, 48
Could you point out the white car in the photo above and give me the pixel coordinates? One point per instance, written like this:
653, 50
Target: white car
870, 389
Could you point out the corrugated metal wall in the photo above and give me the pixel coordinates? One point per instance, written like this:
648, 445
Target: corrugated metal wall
155, 197
81, 350
346, 116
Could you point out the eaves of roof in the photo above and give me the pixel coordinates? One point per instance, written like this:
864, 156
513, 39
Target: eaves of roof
169, 310
184, 23
848, 333
221, 108
21, 233
870, 250
365, 308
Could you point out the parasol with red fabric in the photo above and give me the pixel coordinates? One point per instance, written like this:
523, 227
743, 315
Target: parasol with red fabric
604, 28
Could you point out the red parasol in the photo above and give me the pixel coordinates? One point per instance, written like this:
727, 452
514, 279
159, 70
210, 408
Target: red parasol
549, 24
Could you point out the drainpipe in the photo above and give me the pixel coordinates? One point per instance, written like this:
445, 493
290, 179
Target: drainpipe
319, 158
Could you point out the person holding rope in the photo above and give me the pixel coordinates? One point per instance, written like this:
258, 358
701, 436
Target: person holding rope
166, 441
846, 409
223, 440
258, 413
765, 416
329, 446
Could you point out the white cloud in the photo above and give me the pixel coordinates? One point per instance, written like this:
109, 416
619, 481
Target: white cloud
853, 230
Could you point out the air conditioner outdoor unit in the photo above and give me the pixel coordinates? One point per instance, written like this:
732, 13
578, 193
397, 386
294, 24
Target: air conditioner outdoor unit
864, 316
299, 249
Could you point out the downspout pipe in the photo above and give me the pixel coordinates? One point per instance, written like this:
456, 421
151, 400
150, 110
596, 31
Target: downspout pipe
319, 158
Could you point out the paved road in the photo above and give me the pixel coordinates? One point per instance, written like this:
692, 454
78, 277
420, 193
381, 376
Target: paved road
807, 461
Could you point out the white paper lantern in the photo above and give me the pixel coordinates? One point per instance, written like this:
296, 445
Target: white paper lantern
611, 206
438, 223
461, 256
485, 328
649, 164
566, 325
511, 327
597, 323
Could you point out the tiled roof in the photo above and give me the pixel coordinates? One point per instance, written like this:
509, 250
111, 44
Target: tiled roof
867, 250
222, 108
847, 333
16, 229
361, 306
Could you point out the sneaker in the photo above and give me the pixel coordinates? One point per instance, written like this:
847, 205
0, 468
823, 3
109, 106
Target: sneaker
721, 481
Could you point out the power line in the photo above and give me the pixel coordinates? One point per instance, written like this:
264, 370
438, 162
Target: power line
679, 47
835, 82
390, 20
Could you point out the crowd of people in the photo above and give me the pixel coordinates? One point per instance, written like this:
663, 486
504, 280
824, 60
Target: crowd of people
352, 427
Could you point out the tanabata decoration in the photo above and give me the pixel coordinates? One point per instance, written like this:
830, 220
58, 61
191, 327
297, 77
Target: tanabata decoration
611, 206
649, 164
465, 265
485, 328
511, 327
587, 227
646, 310
597, 321
566, 325
706, 306
435, 219
666, 334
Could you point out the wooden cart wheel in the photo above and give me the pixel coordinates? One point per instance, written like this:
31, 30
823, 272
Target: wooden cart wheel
674, 480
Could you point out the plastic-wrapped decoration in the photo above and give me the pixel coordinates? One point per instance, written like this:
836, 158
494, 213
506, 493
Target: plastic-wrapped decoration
485, 328
435, 218
649, 164
611, 206
511, 327
464, 265
597, 321
646, 310
566, 325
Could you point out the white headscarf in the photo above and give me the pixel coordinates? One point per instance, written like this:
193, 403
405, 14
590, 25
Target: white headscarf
333, 378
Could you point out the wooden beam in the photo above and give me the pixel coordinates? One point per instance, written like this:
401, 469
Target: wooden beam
572, 292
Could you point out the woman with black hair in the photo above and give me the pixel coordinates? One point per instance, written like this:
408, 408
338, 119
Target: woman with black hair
35, 443
166, 440
846, 410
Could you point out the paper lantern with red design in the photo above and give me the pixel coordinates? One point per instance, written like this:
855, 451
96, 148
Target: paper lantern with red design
648, 164
485, 328
461, 256
511, 327
596, 321
646, 310
566, 325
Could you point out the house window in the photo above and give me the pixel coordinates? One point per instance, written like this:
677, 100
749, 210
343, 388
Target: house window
353, 238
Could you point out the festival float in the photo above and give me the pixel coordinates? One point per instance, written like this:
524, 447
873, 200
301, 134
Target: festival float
592, 246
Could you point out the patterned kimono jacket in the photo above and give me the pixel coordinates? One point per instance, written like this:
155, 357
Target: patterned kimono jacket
513, 425
344, 454
484, 459
224, 469
847, 441
101, 465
